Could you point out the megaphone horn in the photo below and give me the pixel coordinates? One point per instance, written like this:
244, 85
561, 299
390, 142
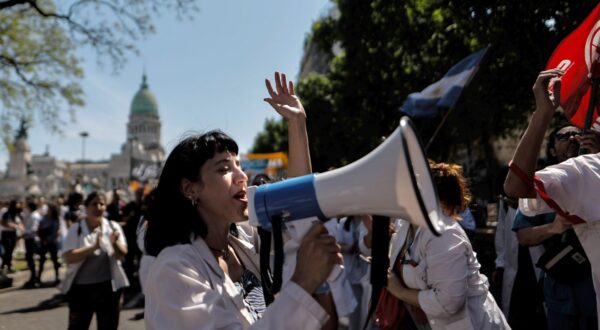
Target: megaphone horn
393, 180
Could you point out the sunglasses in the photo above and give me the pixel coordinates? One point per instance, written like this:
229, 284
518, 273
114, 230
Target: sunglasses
567, 135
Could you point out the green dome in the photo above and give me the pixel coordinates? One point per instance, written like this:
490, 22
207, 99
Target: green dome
144, 102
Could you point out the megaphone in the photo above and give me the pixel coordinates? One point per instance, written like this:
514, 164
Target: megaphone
393, 180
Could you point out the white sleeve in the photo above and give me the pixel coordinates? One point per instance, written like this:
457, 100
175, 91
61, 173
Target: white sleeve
185, 300
293, 308
447, 275
362, 232
116, 226
571, 185
534, 206
178, 298
499, 236
72, 238
140, 235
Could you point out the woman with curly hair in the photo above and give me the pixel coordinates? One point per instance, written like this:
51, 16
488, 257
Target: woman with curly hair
437, 277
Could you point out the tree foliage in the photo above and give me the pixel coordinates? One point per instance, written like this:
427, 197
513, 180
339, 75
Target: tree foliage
393, 48
273, 138
40, 71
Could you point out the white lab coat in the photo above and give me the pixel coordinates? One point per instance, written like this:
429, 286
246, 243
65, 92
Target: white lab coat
186, 289
573, 186
507, 248
79, 235
453, 294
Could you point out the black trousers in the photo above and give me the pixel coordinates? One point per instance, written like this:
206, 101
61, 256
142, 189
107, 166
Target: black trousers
9, 240
31, 249
87, 299
46, 247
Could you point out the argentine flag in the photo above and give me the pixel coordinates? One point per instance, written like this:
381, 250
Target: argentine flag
445, 92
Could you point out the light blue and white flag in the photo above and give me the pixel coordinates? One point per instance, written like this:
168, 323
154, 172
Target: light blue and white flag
444, 93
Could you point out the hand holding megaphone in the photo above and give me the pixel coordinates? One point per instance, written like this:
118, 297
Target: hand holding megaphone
316, 258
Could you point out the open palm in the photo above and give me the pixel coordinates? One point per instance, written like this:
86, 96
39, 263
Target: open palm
283, 99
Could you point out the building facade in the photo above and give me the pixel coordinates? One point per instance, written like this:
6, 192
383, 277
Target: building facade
139, 157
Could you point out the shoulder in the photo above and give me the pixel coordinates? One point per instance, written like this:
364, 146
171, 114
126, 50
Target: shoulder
113, 225
452, 237
173, 256
178, 262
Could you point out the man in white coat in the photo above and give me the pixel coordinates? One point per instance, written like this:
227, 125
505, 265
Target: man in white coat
570, 188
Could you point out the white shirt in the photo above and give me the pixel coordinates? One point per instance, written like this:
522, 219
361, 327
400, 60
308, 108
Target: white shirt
80, 236
186, 289
31, 222
573, 185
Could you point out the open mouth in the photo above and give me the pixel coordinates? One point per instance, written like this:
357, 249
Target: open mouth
241, 196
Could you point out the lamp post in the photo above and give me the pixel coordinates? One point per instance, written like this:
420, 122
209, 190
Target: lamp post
132, 139
83, 135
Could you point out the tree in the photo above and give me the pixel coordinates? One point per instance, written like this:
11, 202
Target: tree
273, 139
40, 71
393, 48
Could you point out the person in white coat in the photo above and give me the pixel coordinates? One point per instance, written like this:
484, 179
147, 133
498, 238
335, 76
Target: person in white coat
206, 275
440, 274
93, 250
568, 188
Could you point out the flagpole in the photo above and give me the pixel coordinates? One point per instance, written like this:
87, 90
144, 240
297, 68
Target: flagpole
590, 113
467, 83
437, 130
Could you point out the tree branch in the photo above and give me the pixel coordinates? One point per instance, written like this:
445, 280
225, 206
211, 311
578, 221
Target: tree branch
11, 3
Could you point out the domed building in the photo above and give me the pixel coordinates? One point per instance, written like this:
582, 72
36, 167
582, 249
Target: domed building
144, 122
142, 154
140, 158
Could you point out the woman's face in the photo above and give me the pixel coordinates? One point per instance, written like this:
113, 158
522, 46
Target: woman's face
222, 194
96, 207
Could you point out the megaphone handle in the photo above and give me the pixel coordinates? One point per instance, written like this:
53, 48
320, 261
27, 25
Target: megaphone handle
276, 222
265, 265
380, 261
271, 280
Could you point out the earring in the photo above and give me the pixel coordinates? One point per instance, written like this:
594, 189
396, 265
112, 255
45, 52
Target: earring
193, 201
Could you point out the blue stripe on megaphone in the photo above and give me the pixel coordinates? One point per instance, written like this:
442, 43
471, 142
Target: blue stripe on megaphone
293, 199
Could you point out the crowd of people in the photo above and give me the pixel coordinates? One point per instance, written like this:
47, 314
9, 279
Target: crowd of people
89, 237
198, 262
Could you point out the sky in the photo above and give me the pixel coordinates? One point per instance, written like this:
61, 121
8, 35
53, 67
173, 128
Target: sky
206, 74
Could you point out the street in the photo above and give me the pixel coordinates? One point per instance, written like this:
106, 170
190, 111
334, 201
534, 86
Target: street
38, 308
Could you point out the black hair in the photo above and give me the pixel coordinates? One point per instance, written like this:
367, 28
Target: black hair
92, 196
31, 205
551, 158
53, 213
260, 179
171, 217
73, 200
12, 210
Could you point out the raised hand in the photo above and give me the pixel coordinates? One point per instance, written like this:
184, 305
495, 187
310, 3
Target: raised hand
590, 141
114, 236
98, 232
544, 100
283, 99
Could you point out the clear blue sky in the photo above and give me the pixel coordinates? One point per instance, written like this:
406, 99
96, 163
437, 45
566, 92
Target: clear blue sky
207, 73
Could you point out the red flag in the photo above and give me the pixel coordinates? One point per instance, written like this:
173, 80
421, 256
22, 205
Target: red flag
578, 55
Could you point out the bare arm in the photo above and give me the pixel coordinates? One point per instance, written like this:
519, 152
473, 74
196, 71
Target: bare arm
120, 249
536, 235
288, 105
527, 151
400, 291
